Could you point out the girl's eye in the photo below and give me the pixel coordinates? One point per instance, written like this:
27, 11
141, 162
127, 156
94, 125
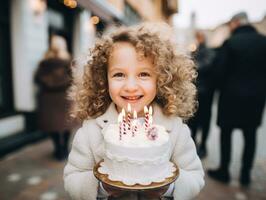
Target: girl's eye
119, 74
144, 74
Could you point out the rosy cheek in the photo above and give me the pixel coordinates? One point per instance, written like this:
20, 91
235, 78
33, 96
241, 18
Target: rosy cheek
149, 85
114, 88
114, 85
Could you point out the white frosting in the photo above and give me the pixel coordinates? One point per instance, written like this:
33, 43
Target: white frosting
133, 173
136, 158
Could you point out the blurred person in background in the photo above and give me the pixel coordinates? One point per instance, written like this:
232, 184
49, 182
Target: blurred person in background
53, 78
204, 57
241, 66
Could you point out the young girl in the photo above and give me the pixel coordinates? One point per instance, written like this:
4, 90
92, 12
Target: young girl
135, 65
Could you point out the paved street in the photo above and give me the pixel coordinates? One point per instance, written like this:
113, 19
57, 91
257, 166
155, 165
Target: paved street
32, 173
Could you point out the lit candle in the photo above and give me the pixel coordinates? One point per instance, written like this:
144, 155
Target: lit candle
128, 116
120, 125
150, 116
146, 111
135, 114
124, 121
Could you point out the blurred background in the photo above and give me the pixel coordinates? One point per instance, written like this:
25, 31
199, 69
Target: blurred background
27, 168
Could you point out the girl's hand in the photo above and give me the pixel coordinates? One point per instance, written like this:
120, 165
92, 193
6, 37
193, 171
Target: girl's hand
112, 191
156, 193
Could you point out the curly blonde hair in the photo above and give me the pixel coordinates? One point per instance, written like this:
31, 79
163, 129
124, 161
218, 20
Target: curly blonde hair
176, 74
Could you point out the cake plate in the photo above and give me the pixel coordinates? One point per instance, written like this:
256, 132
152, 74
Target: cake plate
137, 187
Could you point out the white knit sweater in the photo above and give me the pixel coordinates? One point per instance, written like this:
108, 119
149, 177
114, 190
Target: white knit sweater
87, 150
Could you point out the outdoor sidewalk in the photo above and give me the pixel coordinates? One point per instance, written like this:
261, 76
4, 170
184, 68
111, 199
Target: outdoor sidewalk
32, 173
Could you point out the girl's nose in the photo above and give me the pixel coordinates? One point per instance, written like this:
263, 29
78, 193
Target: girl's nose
131, 84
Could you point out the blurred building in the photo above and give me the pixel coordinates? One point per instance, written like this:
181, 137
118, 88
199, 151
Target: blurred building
25, 30
218, 35
261, 26
215, 37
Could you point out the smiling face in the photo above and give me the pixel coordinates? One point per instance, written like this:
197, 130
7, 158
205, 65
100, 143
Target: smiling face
131, 79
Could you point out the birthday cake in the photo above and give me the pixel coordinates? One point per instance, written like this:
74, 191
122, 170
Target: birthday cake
136, 153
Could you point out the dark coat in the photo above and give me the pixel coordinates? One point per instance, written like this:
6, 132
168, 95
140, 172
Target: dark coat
241, 68
204, 58
53, 79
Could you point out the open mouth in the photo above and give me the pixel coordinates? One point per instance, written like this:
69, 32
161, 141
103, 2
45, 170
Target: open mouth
132, 98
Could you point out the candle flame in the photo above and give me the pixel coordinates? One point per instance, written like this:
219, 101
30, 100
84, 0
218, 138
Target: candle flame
145, 109
135, 115
123, 112
150, 110
128, 107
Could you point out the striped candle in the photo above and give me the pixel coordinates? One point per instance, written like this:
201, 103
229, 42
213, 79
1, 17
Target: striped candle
120, 125
150, 116
134, 123
146, 123
128, 116
124, 121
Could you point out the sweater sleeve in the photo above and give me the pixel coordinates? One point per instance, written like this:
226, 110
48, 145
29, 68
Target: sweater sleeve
79, 180
191, 174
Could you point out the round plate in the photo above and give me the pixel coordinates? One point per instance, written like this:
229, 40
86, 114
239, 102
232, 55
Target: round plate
137, 187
